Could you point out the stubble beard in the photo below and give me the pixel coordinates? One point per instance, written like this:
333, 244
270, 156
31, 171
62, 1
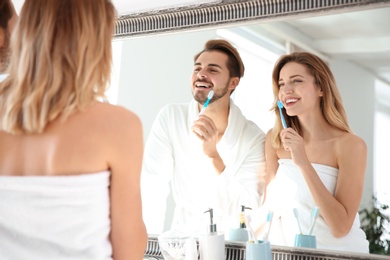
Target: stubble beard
201, 99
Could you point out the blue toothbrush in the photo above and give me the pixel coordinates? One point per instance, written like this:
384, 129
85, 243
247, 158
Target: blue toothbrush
314, 215
209, 97
269, 220
280, 105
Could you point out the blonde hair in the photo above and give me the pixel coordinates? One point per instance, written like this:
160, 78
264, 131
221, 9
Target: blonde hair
330, 104
60, 62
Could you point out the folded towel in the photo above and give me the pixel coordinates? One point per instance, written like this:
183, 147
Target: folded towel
55, 217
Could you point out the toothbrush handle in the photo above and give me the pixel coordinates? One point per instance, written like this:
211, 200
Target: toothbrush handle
312, 227
202, 110
204, 107
282, 118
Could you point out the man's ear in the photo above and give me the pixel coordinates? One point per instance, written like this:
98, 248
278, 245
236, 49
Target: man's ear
234, 82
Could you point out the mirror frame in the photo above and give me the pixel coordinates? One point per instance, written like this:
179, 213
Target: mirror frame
228, 12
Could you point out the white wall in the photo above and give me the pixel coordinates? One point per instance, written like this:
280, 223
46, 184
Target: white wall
357, 88
156, 71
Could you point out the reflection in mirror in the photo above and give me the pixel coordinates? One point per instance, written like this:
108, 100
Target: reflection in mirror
153, 70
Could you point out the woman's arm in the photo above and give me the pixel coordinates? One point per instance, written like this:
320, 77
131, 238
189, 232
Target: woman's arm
128, 233
340, 214
272, 164
338, 210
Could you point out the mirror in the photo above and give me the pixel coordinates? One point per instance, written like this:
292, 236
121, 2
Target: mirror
153, 59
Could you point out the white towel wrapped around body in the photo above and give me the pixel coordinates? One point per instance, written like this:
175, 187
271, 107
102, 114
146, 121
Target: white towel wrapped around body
288, 191
55, 217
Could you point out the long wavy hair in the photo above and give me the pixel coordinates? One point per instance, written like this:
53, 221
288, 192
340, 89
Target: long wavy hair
60, 62
330, 104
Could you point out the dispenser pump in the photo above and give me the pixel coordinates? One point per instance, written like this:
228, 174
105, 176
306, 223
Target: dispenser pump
213, 226
242, 222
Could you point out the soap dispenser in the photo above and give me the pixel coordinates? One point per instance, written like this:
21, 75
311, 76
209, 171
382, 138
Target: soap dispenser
212, 244
240, 233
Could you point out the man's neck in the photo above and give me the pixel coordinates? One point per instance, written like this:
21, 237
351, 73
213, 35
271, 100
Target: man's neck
219, 113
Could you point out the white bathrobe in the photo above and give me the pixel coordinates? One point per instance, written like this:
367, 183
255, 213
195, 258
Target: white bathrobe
288, 191
174, 154
55, 217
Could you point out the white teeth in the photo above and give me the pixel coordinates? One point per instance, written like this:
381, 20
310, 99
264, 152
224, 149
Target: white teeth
201, 85
291, 100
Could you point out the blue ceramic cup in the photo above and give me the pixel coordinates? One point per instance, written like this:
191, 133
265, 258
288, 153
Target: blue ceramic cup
305, 241
261, 250
238, 234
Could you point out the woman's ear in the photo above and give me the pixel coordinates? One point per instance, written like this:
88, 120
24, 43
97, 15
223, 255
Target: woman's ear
320, 92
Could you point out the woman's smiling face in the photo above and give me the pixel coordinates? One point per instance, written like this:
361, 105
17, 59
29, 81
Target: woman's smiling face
297, 89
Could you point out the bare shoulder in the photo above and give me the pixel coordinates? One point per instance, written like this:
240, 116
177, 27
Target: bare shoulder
113, 116
351, 148
270, 150
268, 135
120, 130
349, 141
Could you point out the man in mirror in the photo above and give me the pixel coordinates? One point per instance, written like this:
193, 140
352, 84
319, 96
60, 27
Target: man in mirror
213, 159
8, 19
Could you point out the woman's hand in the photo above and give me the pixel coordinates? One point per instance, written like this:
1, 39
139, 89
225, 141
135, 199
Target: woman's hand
294, 143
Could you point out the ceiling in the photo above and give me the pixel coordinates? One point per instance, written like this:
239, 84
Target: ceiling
362, 37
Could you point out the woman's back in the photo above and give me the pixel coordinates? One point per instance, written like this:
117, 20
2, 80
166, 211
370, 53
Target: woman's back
82, 144
76, 180
53, 129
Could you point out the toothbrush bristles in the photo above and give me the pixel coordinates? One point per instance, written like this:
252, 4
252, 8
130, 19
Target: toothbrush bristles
280, 106
269, 220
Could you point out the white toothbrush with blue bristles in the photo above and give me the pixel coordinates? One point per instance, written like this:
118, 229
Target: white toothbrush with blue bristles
209, 97
269, 220
314, 215
251, 233
297, 218
280, 106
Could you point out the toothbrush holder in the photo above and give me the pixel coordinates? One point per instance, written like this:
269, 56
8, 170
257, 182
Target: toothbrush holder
238, 234
308, 241
260, 250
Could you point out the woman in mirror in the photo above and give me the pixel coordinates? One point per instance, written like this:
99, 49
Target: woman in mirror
69, 164
315, 164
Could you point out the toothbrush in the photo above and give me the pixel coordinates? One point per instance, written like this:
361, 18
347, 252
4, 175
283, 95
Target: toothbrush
297, 218
280, 105
269, 220
209, 97
314, 214
251, 233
